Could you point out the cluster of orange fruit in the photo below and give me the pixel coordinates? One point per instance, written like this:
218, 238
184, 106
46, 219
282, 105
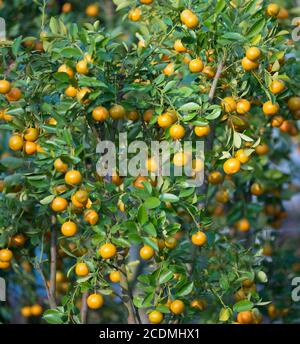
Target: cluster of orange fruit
6, 256
32, 311
79, 199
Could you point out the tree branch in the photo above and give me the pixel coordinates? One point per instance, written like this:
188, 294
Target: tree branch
53, 260
127, 296
84, 308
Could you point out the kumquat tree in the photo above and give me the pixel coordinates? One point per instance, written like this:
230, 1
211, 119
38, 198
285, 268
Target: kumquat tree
212, 244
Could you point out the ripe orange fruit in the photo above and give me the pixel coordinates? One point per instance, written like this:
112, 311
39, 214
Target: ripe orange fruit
277, 121
117, 112
26, 311
215, 178
243, 106
107, 251
253, 53
199, 238
135, 14
4, 265
30, 147
294, 104
273, 10
209, 72
222, 196
73, 177
270, 109
59, 204
69, 228
31, 134
6, 255
5, 86
164, 120
82, 67
15, 142
138, 182
60, 166
177, 131
81, 269
151, 164
14, 94
196, 65
199, 304
148, 115
180, 159
232, 166
146, 252
243, 225
171, 243
249, 65
115, 276
189, 19
71, 91
95, 301
197, 165
283, 13
179, 47
256, 189
36, 310
18, 240
91, 217
82, 95
66, 69
75, 203
81, 196
262, 149
146, 2
52, 121
4, 115
229, 104
169, 69
177, 307
92, 10
67, 7
245, 317
132, 115
116, 179
242, 156
201, 131
277, 86
155, 317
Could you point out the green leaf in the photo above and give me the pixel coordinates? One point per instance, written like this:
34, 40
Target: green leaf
165, 277
152, 202
189, 107
47, 200
233, 36
142, 215
150, 229
256, 28
242, 306
185, 289
11, 162
70, 52
53, 316
168, 197
224, 314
